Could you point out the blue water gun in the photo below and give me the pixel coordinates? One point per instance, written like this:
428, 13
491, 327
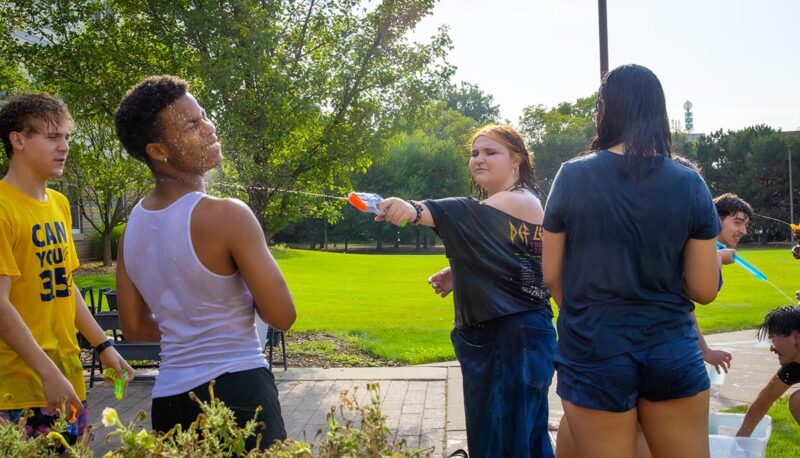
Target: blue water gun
738, 260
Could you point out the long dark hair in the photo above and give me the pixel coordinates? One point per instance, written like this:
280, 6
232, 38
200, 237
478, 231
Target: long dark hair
631, 110
511, 139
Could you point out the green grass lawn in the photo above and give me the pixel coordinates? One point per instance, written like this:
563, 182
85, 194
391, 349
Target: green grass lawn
744, 300
387, 304
384, 301
785, 439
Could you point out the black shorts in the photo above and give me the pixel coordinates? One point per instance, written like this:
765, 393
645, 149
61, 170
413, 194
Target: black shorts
242, 392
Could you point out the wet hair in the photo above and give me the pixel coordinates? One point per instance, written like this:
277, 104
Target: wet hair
730, 204
136, 119
689, 164
780, 322
511, 139
20, 110
631, 110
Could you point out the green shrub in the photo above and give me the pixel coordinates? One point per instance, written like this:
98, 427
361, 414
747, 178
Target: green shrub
215, 433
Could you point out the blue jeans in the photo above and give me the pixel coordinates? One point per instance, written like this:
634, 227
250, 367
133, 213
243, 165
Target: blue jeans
507, 365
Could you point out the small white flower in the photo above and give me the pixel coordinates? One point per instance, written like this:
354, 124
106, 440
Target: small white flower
110, 417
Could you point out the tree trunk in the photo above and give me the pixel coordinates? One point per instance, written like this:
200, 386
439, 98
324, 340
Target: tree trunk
106, 238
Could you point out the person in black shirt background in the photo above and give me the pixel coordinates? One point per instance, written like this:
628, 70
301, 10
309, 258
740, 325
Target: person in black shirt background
782, 327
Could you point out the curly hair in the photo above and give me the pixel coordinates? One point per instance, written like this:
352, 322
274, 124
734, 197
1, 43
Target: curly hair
136, 119
730, 204
19, 111
780, 321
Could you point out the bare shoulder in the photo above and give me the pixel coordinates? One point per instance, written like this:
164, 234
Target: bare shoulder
222, 215
521, 204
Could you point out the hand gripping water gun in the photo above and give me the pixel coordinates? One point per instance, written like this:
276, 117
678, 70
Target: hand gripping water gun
757, 273
367, 202
119, 382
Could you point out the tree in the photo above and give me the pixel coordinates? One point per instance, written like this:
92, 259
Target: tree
80, 52
12, 79
429, 161
111, 182
752, 163
469, 100
557, 134
304, 93
425, 163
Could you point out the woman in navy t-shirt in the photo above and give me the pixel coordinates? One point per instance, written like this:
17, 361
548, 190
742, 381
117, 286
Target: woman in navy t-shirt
628, 245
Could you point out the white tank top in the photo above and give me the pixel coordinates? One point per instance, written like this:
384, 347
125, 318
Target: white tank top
207, 321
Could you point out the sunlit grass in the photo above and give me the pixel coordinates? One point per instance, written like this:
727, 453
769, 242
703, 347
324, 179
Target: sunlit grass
385, 302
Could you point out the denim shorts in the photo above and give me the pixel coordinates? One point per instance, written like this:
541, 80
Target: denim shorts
670, 370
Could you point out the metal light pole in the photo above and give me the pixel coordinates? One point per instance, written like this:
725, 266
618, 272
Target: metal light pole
602, 17
791, 196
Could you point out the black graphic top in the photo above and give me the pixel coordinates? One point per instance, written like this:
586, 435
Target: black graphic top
790, 373
495, 258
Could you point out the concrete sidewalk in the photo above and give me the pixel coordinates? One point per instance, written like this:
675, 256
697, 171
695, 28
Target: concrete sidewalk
424, 404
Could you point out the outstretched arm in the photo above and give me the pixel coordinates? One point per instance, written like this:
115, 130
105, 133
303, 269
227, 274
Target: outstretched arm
398, 212
768, 395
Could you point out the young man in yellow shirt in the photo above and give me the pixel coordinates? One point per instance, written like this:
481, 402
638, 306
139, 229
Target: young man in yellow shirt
40, 307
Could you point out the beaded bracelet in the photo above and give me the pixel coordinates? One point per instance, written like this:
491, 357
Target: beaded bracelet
418, 208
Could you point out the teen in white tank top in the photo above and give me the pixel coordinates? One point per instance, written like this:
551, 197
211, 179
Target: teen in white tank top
207, 320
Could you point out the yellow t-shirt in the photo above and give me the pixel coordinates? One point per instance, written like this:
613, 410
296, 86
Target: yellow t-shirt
37, 252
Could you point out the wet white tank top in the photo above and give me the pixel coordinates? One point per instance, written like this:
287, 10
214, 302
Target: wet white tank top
207, 321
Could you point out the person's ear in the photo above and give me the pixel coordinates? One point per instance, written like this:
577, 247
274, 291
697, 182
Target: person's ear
157, 152
17, 140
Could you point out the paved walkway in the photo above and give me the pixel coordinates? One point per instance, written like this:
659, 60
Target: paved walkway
424, 404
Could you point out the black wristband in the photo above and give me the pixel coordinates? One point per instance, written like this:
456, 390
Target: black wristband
105, 344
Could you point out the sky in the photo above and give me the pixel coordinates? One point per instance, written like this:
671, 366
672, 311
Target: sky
737, 61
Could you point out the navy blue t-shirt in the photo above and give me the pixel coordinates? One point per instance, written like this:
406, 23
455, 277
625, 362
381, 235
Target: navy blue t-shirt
623, 258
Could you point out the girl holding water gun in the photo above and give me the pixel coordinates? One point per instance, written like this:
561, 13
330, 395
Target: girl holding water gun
503, 337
